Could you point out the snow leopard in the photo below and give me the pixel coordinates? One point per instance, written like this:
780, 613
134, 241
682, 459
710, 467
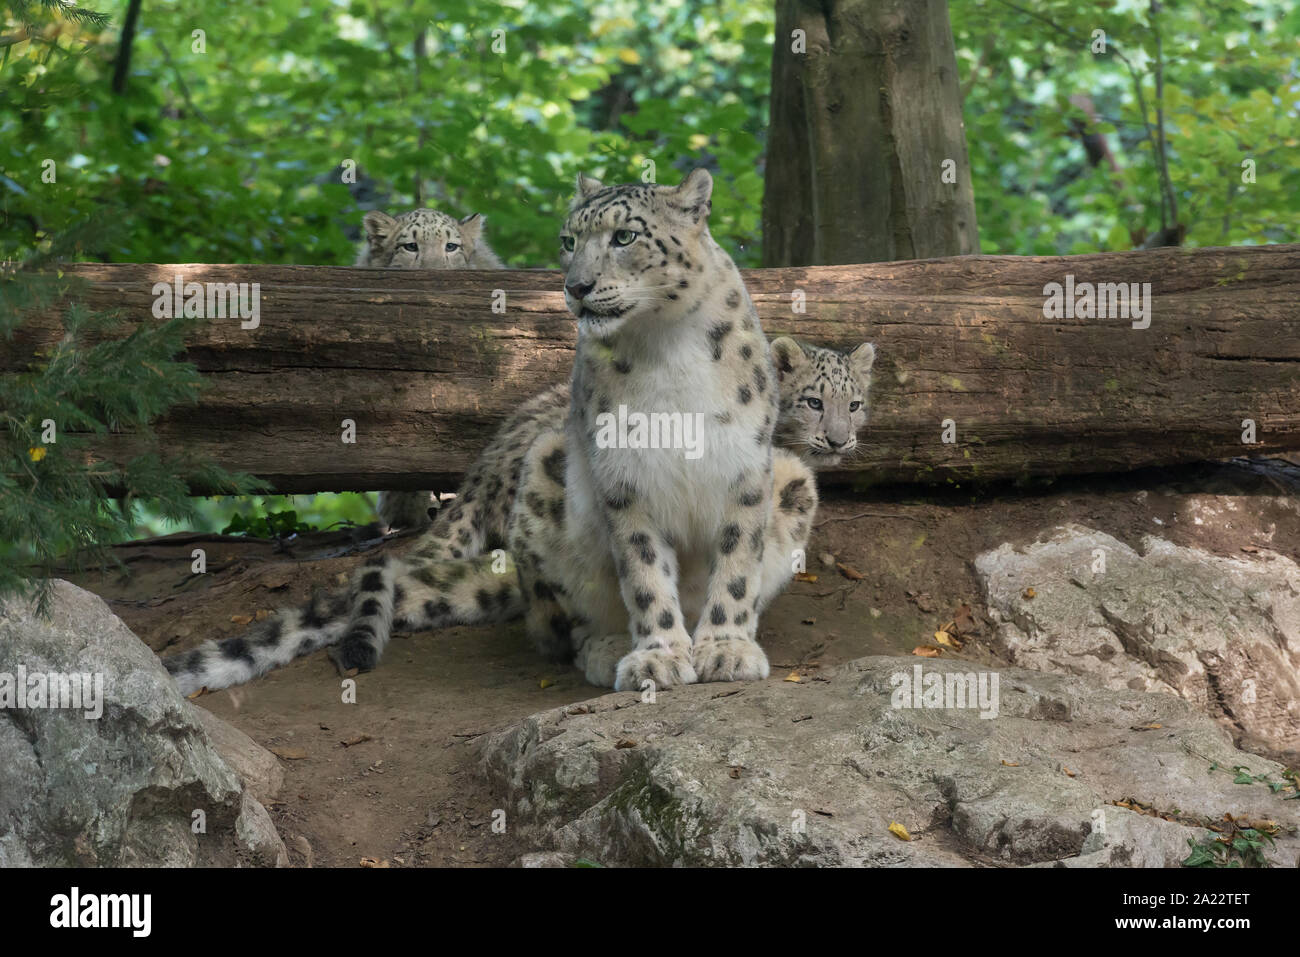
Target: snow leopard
823, 399
421, 239
448, 580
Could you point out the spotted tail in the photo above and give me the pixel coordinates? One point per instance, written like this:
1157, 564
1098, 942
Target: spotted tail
387, 594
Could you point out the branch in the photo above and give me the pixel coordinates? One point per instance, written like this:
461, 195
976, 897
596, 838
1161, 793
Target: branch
180, 84
1167, 186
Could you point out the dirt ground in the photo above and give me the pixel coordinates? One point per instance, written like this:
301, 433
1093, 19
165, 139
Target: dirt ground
394, 777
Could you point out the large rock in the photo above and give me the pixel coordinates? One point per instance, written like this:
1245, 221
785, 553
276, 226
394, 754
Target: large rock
1222, 633
815, 773
119, 789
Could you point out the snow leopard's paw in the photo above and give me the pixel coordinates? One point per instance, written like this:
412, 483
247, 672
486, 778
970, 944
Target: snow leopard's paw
666, 668
728, 658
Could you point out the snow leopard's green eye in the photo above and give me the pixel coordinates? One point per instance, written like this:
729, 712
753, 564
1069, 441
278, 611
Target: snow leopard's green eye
410, 247
452, 247
624, 237
568, 243
854, 406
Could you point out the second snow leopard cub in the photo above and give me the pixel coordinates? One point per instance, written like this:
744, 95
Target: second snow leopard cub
823, 399
421, 239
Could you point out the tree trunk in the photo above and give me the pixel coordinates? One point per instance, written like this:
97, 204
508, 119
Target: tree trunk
122, 65
427, 371
866, 155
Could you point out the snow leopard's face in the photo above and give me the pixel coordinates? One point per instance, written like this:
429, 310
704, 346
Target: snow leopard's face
824, 399
422, 239
634, 253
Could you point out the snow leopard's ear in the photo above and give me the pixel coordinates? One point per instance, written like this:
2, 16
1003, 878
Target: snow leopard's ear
588, 186
692, 197
379, 226
861, 360
471, 227
788, 357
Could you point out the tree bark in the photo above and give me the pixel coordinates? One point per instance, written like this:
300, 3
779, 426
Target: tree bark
427, 371
866, 155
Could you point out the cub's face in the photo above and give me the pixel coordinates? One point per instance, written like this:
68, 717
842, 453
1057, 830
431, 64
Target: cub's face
635, 253
422, 239
823, 399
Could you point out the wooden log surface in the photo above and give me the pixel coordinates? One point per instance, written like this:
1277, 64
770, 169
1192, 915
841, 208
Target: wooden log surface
427, 370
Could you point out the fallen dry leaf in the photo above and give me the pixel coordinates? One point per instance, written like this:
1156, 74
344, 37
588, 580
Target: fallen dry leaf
805, 577
290, 754
625, 743
943, 638
545, 683
262, 614
242, 619
1068, 772
356, 740
963, 619
1030, 593
849, 572
1146, 727
793, 676
926, 651
194, 694
735, 769
1011, 764
372, 862
899, 831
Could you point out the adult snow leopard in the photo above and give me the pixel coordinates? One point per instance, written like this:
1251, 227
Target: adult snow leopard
421, 239
420, 592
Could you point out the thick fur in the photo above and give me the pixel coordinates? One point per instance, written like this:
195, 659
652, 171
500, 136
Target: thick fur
517, 491
823, 399
426, 239
421, 239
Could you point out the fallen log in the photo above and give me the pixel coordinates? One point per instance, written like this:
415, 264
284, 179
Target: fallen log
970, 349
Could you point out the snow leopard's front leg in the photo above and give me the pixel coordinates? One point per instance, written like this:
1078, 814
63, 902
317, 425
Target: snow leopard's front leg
725, 644
647, 574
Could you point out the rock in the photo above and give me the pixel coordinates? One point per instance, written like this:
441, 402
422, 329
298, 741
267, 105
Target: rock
1222, 633
119, 789
814, 773
257, 768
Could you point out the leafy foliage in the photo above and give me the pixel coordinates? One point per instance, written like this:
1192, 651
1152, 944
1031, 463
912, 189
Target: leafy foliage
1230, 83
1244, 847
228, 145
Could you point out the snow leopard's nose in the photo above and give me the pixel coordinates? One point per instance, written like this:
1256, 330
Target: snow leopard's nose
579, 290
